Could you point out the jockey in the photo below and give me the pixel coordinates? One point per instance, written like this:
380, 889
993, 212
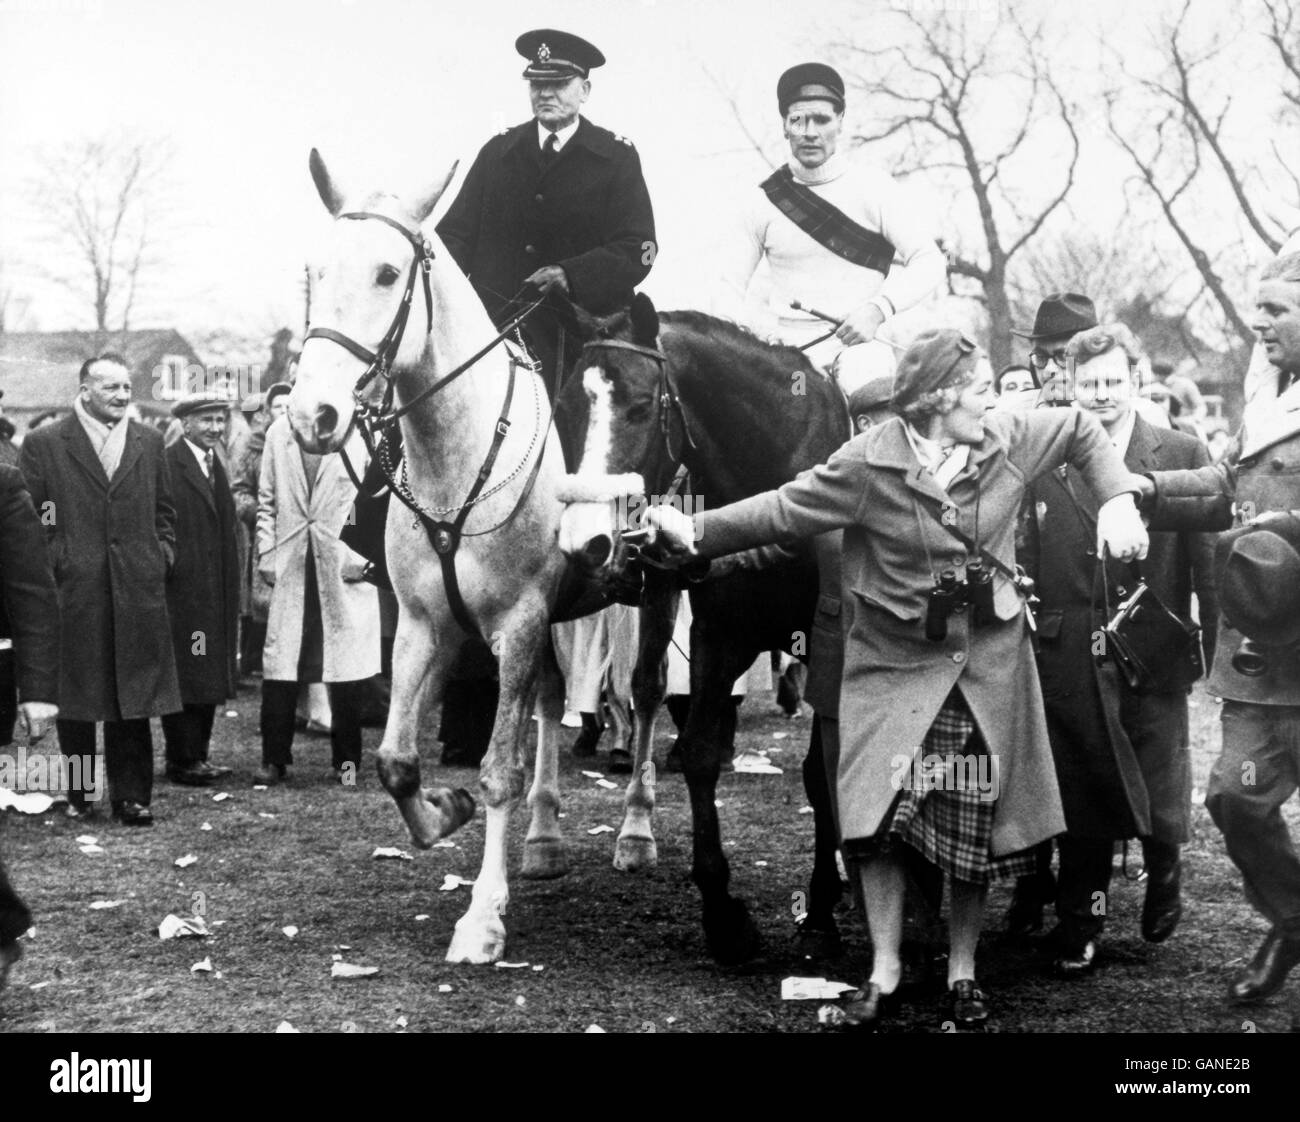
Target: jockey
833, 233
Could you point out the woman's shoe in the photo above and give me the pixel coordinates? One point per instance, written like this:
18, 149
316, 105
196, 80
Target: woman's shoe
968, 1004
864, 1008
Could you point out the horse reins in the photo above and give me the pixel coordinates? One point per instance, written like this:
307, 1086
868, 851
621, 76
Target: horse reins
444, 536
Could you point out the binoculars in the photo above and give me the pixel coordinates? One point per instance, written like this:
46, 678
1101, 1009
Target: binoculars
1254, 660
951, 595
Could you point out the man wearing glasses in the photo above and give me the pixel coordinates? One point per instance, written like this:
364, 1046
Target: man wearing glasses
1060, 316
842, 238
1123, 760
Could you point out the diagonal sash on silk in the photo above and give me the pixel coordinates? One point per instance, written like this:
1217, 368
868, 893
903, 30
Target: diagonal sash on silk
827, 224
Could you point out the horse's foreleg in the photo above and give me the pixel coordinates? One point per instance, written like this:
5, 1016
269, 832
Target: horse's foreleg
716, 662
819, 934
635, 848
544, 855
420, 667
480, 935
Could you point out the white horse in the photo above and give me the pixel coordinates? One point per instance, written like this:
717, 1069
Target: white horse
508, 578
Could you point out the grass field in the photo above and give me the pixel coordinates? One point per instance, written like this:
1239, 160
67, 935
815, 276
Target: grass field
621, 951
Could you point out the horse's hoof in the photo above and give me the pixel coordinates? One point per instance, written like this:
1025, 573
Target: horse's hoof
544, 859
478, 946
620, 762
731, 935
633, 854
818, 944
455, 805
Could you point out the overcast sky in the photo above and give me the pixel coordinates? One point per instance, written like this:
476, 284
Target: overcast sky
391, 91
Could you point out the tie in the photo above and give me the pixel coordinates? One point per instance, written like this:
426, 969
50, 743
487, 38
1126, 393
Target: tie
207, 466
549, 151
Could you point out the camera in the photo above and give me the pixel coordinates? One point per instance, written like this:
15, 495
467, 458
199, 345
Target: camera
979, 583
947, 596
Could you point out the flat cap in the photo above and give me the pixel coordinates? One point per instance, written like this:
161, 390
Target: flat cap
199, 403
276, 389
875, 393
556, 55
938, 357
810, 80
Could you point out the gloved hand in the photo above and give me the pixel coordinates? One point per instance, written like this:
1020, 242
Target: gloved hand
672, 533
1120, 529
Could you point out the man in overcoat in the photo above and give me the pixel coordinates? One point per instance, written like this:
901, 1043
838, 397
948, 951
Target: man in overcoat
1257, 654
29, 623
100, 484
1123, 759
553, 202
203, 590
324, 620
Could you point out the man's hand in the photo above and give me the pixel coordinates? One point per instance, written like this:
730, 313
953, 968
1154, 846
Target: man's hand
37, 717
1120, 529
266, 568
671, 532
549, 277
860, 326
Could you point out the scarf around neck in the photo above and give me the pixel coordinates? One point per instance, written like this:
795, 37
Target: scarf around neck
109, 442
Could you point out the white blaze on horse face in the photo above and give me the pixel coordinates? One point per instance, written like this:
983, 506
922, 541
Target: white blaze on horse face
582, 522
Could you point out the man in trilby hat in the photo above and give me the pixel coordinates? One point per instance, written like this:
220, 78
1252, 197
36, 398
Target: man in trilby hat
839, 237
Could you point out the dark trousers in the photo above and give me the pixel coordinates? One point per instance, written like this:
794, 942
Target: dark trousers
252, 639
128, 758
1083, 887
187, 735
1256, 774
279, 702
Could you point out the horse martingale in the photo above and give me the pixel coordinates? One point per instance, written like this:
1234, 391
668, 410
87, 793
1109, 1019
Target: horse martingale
443, 536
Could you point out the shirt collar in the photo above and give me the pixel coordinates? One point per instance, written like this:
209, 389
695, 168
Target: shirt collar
945, 464
562, 136
1121, 437
200, 454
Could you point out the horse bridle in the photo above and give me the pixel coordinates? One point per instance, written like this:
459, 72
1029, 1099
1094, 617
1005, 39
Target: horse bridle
380, 361
667, 401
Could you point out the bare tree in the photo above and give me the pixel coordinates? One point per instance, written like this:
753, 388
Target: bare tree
931, 95
1176, 130
104, 198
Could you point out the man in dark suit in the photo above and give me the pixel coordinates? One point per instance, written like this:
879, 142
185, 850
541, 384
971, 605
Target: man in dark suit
1123, 759
556, 202
101, 486
203, 590
29, 662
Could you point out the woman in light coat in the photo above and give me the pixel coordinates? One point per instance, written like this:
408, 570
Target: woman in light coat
943, 742
324, 620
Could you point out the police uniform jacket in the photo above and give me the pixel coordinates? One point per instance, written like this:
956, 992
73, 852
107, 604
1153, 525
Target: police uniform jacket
896, 523
588, 212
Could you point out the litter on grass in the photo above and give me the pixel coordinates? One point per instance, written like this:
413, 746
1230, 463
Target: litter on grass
451, 882
812, 989
174, 927
351, 970
391, 853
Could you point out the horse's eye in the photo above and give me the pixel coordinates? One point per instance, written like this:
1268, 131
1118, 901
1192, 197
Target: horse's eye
387, 276
638, 413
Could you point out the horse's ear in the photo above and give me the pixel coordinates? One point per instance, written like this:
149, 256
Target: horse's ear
645, 320
424, 203
330, 194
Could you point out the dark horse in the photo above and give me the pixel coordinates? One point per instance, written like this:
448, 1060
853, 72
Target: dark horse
743, 417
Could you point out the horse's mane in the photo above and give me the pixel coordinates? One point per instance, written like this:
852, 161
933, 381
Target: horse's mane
724, 330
